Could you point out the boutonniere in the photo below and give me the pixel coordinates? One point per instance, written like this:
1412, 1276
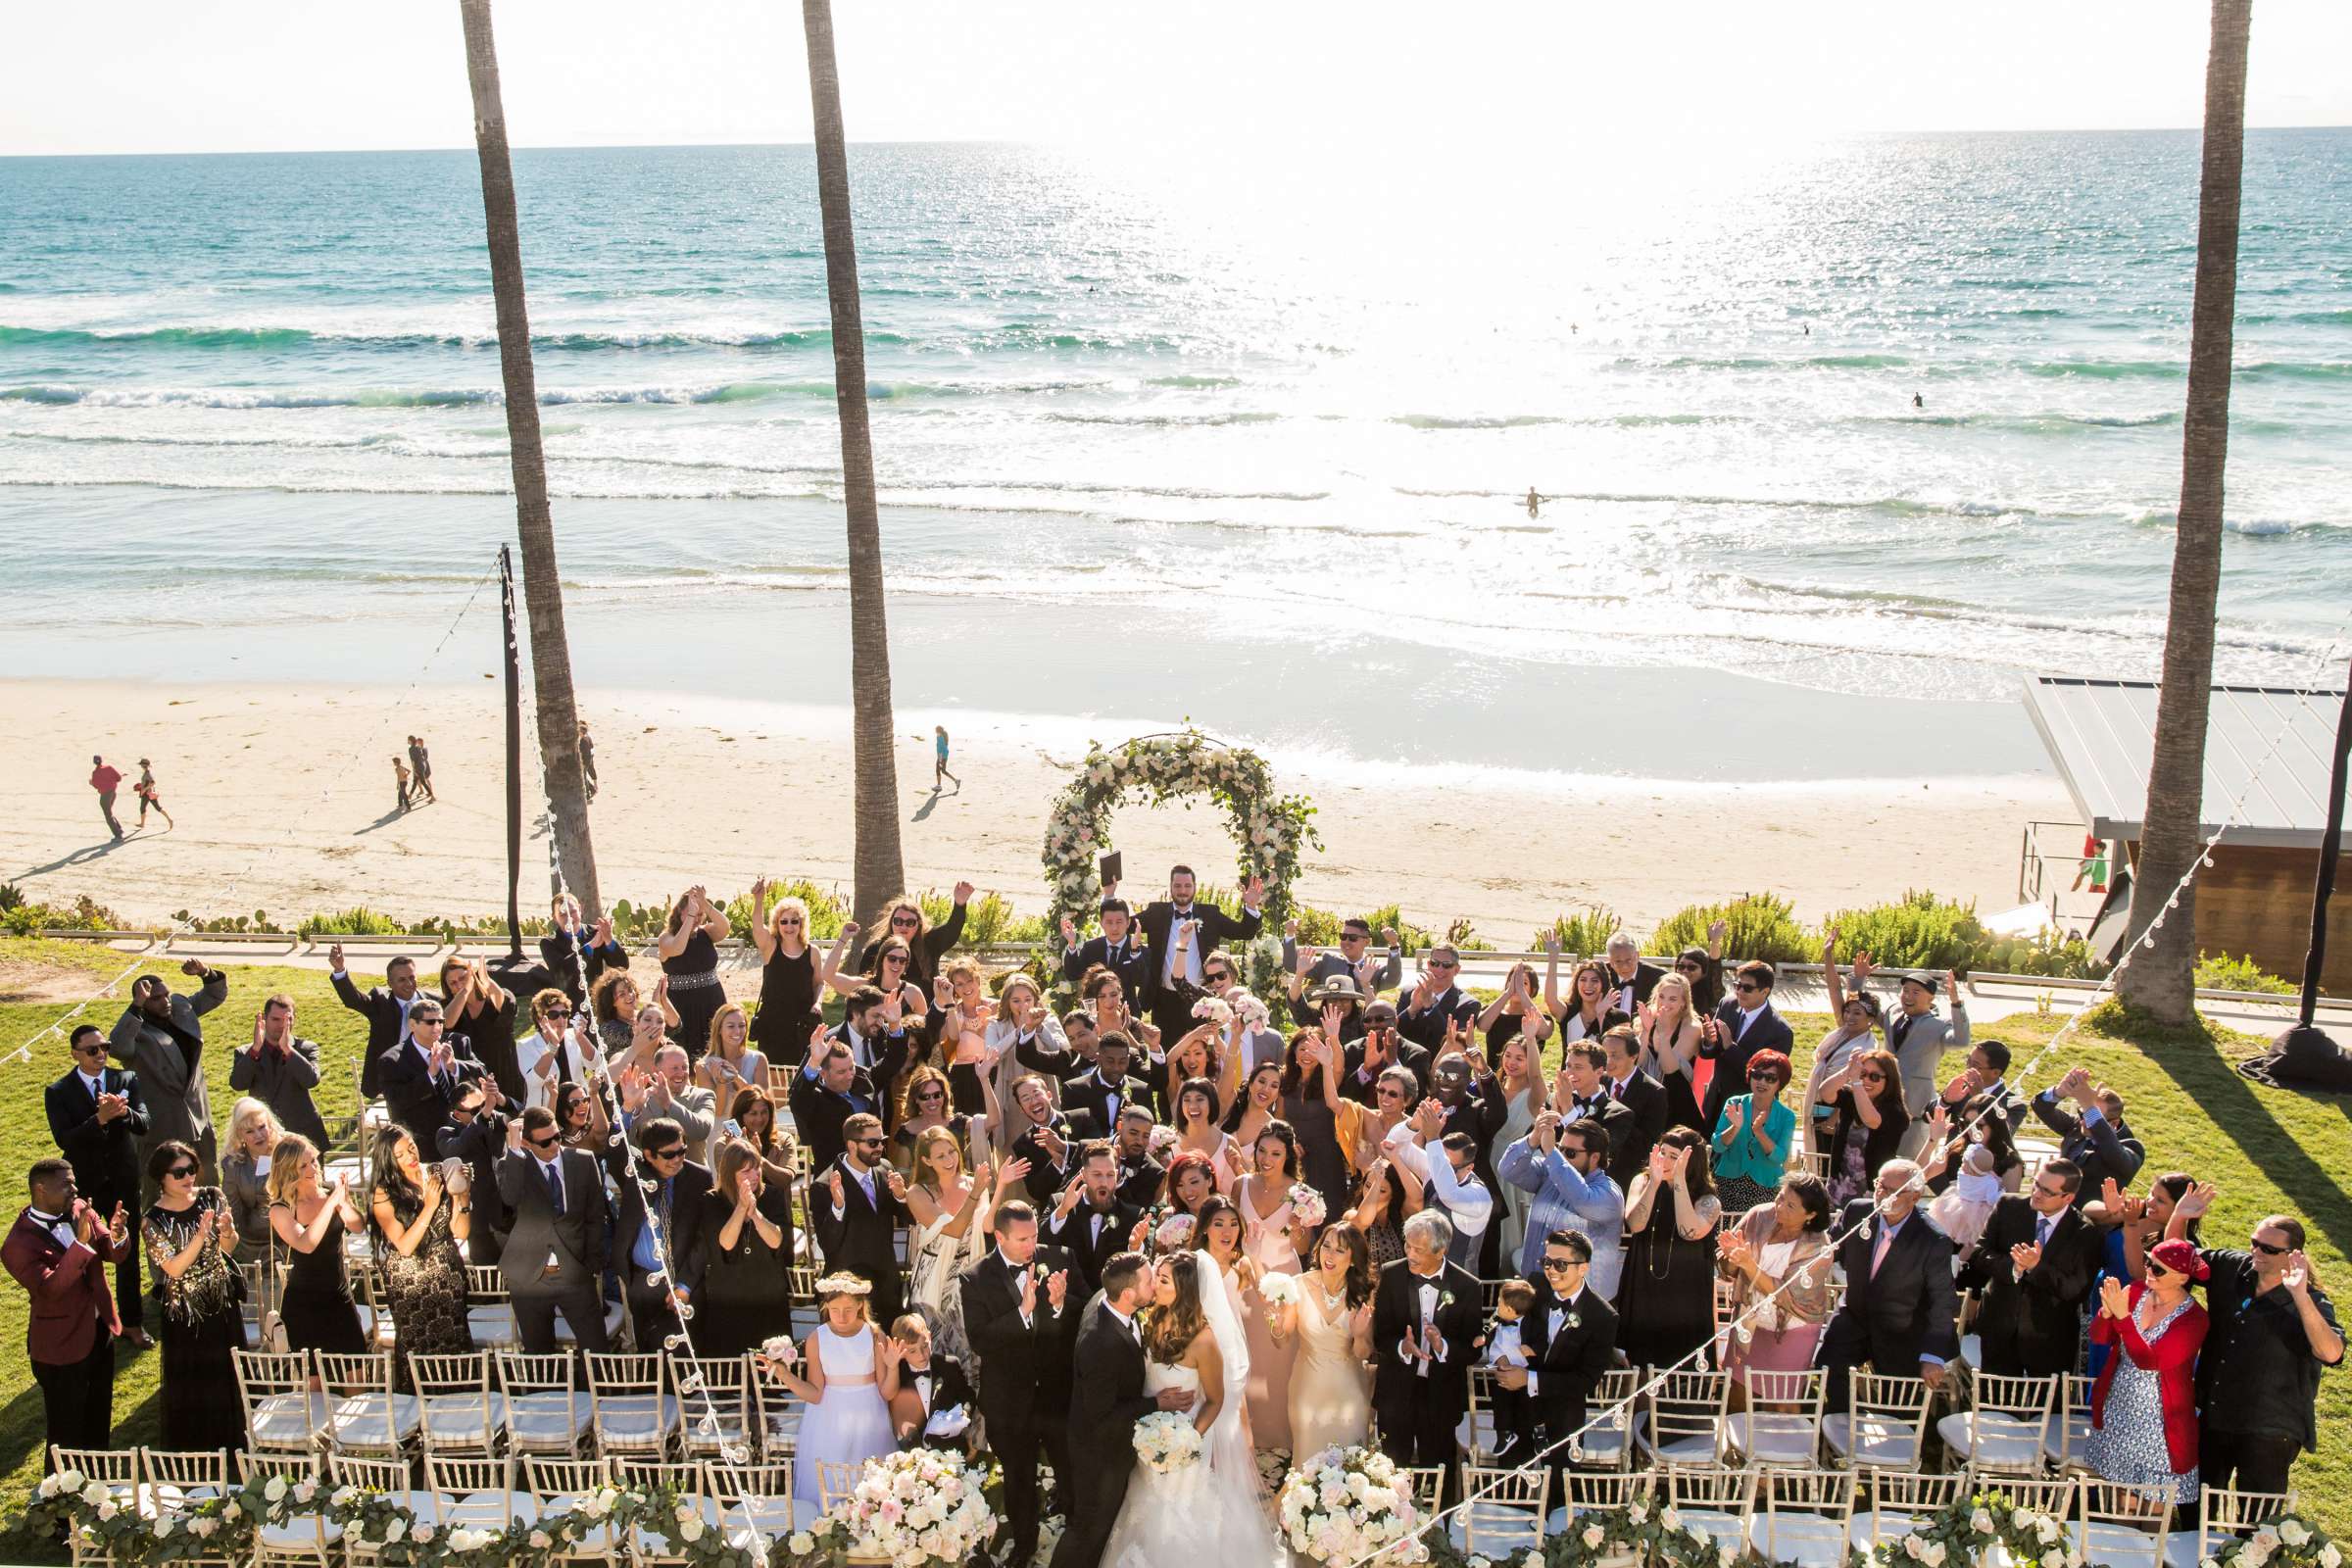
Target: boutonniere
1575, 1320
1444, 1299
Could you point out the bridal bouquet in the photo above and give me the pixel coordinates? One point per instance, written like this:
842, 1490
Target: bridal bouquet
1306, 1205
1174, 1233
1345, 1505
916, 1508
1213, 1009
1166, 1442
1278, 1289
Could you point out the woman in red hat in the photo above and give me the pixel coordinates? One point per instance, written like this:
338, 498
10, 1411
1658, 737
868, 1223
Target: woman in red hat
2143, 1408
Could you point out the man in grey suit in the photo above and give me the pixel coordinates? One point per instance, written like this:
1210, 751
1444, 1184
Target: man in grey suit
279, 1069
160, 1037
555, 1257
1918, 1038
1355, 958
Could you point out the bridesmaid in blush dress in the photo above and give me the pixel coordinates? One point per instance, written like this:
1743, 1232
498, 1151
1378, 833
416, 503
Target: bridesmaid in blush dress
1273, 1238
1331, 1319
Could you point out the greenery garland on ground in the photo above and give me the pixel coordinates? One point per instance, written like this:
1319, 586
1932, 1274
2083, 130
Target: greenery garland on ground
1269, 829
226, 1526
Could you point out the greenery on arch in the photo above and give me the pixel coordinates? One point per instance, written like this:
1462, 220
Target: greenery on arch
1269, 829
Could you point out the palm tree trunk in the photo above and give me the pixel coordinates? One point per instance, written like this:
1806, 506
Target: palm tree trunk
879, 869
542, 588
2161, 978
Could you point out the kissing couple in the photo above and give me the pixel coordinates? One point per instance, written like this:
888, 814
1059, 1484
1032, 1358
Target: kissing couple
1162, 1337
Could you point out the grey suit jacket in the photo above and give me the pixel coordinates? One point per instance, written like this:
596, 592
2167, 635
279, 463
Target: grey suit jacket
178, 1105
283, 1084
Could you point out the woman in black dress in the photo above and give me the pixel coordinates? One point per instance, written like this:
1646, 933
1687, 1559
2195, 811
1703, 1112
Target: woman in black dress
1666, 1298
746, 1257
483, 1011
309, 1220
792, 977
422, 1217
1326, 1126
689, 949
201, 1292
902, 918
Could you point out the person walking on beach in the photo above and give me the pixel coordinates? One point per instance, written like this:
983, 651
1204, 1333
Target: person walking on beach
422, 766
146, 792
588, 758
400, 781
939, 764
106, 781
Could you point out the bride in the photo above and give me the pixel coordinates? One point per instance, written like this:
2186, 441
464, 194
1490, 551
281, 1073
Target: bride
1209, 1511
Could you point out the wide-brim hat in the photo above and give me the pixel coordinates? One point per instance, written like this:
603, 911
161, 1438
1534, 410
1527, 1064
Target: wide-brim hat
1339, 988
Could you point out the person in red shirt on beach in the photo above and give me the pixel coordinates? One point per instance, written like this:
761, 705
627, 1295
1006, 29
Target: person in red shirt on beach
106, 780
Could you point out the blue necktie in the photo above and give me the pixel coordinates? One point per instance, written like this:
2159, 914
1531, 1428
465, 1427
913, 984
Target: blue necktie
554, 1190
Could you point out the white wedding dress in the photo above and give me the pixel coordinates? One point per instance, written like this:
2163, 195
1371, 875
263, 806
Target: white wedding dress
1212, 1511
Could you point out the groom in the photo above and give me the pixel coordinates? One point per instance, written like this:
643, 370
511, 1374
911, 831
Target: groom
1108, 1401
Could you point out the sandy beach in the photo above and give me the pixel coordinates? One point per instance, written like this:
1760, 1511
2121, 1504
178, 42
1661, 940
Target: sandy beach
283, 799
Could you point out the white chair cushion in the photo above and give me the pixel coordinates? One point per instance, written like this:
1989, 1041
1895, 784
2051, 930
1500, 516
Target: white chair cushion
540, 1420
288, 1420
458, 1418
493, 1326
362, 1418
1995, 1443
1884, 1445
1780, 1439
1811, 1540
634, 1421
2072, 1445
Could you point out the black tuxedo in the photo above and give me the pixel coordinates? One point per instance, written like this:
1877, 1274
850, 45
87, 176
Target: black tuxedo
1046, 1178
1032, 1053
1565, 1361
1107, 1402
818, 1113
646, 1301
1171, 1009
385, 1025
1645, 980
1417, 1414
576, 1238
1132, 963
419, 1100
2030, 1326
1481, 1115
1427, 1029
861, 1237
1646, 1098
1088, 1245
1017, 1360
941, 1386
482, 1144
1905, 1312
1141, 1177
105, 1156
1627, 1152
1769, 1032
1091, 1096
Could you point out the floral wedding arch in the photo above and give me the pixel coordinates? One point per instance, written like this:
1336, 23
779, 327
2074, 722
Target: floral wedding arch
1269, 829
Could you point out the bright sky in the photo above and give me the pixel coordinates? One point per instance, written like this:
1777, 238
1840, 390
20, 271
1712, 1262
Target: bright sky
1282, 76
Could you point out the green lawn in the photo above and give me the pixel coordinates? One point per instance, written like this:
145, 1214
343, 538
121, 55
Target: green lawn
2266, 1149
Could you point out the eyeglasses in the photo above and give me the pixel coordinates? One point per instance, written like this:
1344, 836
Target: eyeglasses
1561, 1265
2051, 1192
1388, 1091
181, 1172
1690, 968
2265, 1247
673, 1152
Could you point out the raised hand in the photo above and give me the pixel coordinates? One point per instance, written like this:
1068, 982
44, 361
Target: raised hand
1951, 984
1290, 928
1306, 962
2114, 1300
192, 967
1069, 932
2296, 1279
1065, 1203
1334, 1015
833, 1185
1057, 1288
1012, 1174
1028, 1292
1253, 892
963, 892
1552, 942
1862, 967
85, 1223
2023, 1256
118, 1225
1736, 1109
897, 1184
2195, 1202
1387, 936
334, 957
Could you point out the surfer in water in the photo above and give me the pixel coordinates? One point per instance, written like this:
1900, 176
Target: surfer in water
1533, 500
1918, 402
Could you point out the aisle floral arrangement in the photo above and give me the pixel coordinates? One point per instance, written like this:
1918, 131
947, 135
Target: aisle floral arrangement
916, 1508
1345, 1505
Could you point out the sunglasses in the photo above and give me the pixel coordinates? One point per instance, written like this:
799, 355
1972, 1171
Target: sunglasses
1380, 1027
1764, 1076
673, 1152
1870, 1077
1355, 936
466, 1110
556, 1013
905, 919
1389, 1093
788, 920
89, 1050
1443, 963
181, 1172
1746, 989
1690, 968
1561, 1265
2156, 1270
548, 1142
429, 1021
2266, 1249
869, 1143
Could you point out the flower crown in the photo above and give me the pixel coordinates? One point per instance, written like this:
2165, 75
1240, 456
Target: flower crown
843, 1285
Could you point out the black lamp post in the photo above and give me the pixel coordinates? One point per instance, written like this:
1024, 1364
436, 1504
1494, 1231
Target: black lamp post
2307, 1036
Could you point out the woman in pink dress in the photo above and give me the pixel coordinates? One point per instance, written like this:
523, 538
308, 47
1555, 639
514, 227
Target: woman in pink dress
1274, 1238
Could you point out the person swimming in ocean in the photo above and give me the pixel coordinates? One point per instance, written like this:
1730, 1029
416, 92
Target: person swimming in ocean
1918, 402
1533, 500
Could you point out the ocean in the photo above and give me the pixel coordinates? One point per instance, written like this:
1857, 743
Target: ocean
1250, 446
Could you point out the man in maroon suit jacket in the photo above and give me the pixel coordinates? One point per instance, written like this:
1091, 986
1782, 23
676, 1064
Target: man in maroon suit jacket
53, 1250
